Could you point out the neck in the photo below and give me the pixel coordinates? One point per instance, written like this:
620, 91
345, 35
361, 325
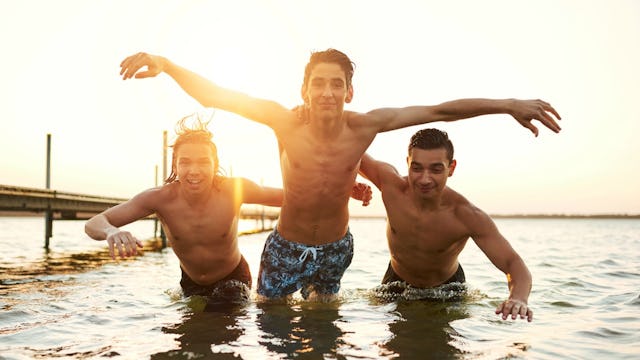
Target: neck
326, 125
195, 199
428, 204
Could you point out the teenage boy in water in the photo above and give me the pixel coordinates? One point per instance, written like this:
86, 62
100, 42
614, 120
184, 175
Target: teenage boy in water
199, 210
321, 149
428, 224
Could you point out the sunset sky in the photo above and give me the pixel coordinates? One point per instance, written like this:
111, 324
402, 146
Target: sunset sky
60, 75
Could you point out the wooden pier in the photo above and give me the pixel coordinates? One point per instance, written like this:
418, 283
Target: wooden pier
58, 205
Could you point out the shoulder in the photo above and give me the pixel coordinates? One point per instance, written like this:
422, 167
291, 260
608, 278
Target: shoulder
478, 224
358, 119
391, 180
156, 197
228, 183
466, 212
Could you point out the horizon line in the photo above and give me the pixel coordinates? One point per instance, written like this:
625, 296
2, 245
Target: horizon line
382, 216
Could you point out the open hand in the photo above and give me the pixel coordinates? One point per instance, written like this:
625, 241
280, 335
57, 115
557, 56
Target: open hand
126, 243
131, 66
514, 308
525, 111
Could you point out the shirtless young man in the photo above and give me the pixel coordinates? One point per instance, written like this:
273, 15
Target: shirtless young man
321, 149
428, 223
199, 209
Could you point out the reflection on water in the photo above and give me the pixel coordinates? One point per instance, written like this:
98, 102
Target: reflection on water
202, 334
303, 330
56, 263
422, 330
428, 312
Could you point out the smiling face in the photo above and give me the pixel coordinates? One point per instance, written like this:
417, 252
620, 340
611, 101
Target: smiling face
196, 167
428, 172
326, 90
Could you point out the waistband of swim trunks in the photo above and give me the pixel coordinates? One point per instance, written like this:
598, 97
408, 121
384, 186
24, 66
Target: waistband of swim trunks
300, 246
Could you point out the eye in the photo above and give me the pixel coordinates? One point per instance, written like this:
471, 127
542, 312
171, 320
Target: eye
437, 169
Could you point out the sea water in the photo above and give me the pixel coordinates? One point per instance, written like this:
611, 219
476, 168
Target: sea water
74, 302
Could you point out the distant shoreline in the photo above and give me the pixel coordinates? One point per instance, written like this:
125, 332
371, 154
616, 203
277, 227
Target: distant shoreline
535, 216
495, 216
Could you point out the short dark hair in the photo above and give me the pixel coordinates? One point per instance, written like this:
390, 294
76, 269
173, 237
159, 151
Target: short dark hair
197, 133
428, 139
329, 56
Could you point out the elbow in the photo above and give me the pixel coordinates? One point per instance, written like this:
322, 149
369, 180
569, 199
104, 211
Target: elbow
89, 229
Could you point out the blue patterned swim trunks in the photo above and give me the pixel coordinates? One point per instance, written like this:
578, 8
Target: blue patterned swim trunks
287, 266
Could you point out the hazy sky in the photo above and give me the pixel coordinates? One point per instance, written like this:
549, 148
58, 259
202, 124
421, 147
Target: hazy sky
60, 75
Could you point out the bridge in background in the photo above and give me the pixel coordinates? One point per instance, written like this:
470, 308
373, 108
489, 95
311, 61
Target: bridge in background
58, 205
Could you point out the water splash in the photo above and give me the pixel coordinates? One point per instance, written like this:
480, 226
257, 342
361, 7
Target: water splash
399, 290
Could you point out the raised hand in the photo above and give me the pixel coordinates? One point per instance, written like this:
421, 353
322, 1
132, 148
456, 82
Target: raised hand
525, 111
131, 66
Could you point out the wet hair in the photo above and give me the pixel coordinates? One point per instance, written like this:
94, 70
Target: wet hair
194, 133
332, 56
428, 139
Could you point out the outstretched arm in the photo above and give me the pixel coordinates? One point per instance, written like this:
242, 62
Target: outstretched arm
523, 111
248, 192
105, 226
504, 257
206, 92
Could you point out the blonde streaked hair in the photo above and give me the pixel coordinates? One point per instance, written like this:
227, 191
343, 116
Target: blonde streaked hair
193, 129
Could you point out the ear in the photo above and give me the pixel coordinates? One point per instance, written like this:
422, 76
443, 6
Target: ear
349, 95
452, 166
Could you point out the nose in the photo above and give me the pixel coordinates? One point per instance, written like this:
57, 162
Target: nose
327, 92
425, 178
193, 169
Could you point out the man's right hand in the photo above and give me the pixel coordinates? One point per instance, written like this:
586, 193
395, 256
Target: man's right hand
125, 242
130, 67
362, 192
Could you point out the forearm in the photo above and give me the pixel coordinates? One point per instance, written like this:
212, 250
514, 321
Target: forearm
396, 118
98, 227
468, 108
519, 281
274, 198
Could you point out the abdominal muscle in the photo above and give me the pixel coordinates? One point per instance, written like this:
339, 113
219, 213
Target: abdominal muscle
206, 264
318, 176
315, 208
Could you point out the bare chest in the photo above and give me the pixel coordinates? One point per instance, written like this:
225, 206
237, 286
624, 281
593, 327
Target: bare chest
206, 225
435, 233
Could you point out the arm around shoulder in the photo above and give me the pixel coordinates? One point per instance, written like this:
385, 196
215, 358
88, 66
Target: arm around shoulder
378, 172
253, 193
